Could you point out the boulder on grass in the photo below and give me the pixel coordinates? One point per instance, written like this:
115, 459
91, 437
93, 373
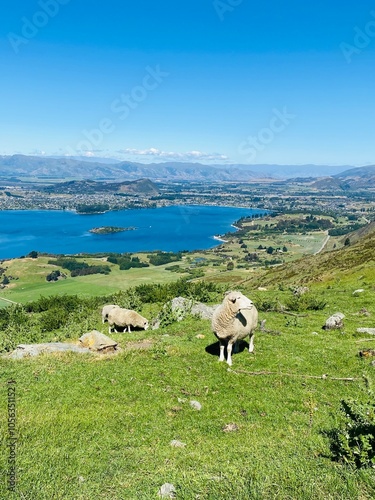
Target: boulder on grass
98, 342
27, 350
334, 321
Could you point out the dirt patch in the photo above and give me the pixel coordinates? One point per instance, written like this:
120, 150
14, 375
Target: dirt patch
141, 345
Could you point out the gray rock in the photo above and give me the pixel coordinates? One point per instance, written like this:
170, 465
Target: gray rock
177, 444
230, 428
369, 331
27, 350
203, 311
196, 405
334, 321
360, 290
364, 312
97, 341
300, 290
181, 307
167, 491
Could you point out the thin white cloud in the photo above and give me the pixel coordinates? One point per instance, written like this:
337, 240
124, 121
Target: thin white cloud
36, 152
170, 155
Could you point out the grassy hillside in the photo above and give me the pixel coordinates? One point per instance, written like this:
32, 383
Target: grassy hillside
30, 282
354, 263
101, 427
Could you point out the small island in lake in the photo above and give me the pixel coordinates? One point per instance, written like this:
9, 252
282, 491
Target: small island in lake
110, 229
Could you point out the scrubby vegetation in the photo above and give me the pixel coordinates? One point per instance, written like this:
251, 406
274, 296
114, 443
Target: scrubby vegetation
353, 443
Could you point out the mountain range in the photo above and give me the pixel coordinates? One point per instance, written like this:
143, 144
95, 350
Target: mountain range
21, 166
139, 186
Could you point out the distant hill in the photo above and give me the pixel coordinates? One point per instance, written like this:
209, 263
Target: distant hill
361, 177
354, 178
360, 233
60, 168
20, 166
140, 186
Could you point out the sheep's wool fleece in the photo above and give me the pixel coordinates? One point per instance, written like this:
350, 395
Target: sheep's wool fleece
227, 326
124, 317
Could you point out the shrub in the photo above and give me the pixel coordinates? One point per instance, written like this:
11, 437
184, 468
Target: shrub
354, 442
306, 302
53, 319
67, 302
128, 299
167, 316
53, 276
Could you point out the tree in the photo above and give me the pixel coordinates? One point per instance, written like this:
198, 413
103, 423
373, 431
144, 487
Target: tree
230, 265
270, 250
347, 242
285, 249
33, 254
6, 280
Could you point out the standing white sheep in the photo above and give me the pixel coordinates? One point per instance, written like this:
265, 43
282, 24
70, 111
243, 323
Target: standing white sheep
105, 311
234, 319
125, 318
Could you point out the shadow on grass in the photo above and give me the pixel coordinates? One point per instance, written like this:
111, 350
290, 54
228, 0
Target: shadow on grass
214, 349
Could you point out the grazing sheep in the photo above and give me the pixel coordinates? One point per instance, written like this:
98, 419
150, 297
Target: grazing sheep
105, 311
234, 319
125, 318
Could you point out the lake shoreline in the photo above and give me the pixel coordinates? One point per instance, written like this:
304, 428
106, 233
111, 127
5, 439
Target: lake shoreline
168, 229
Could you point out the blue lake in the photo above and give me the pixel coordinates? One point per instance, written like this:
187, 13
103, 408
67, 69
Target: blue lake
168, 229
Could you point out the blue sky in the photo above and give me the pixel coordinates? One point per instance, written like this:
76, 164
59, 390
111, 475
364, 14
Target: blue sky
222, 81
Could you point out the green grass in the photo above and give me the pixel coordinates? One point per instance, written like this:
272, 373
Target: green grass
32, 284
110, 420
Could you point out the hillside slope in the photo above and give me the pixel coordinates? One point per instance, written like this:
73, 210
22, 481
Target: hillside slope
357, 258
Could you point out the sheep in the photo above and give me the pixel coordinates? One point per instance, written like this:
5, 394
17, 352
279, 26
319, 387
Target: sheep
234, 319
125, 318
105, 311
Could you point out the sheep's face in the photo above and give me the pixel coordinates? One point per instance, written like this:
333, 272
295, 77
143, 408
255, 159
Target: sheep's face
145, 325
238, 301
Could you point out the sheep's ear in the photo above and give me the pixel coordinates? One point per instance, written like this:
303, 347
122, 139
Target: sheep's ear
227, 293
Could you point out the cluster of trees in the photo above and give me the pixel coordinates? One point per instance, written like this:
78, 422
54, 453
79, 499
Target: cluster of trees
5, 280
55, 275
309, 223
92, 209
79, 268
270, 250
91, 270
340, 231
126, 261
160, 258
